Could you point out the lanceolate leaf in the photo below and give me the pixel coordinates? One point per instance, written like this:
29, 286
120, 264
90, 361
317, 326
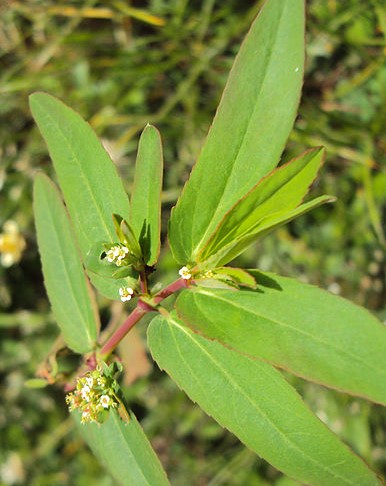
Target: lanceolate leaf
252, 400
125, 451
250, 128
298, 327
146, 195
88, 179
126, 236
273, 197
227, 253
282, 190
68, 290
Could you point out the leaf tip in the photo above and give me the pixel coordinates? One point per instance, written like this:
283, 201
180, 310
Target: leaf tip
36, 96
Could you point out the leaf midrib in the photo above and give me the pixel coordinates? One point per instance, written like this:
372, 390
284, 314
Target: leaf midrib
246, 396
126, 446
69, 281
295, 330
211, 248
263, 226
208, 233
80, 172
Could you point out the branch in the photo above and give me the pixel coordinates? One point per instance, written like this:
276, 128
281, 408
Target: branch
141, 309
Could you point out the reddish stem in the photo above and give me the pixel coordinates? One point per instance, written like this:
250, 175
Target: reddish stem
129, 323
170, 289
141, 309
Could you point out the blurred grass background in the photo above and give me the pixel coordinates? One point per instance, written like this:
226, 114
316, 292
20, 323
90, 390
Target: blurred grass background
122, 64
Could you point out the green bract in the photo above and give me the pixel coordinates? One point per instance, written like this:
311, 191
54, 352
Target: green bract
230, 328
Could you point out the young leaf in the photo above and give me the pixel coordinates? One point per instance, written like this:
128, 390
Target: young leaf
68, 290
88, 179
124, 450
125, 235
237, 275
279, 192
250, 128
252, 400
145, 215
298, 327
264, 226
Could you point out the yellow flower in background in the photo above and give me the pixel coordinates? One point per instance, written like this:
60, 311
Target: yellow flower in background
12, 244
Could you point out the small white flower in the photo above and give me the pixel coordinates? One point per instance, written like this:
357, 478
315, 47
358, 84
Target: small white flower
85, 393
121, 253
90, 381
117, 254
124, 250
110, 255
105, 401
101, 381
185, 273
126, 293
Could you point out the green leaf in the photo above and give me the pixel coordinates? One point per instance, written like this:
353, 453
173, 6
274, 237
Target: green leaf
252, 400
124, 450
225, 277
227, 253
237, 275
68, 290
145, 201
126, 236
107, 286
278, 193
298, 327
250, 129
36, 383
90, 184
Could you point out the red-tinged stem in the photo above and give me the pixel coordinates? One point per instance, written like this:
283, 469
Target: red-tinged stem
170, 289
91, 362
141, 309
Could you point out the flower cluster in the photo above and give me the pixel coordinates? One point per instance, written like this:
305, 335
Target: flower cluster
117, 255
208, 274
94, 394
